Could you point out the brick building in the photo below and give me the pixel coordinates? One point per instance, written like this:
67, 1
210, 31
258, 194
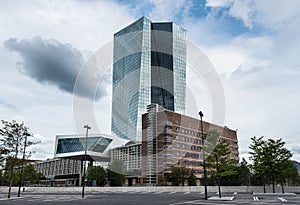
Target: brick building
171, 139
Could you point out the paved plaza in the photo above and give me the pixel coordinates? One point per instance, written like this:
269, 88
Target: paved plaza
145, 198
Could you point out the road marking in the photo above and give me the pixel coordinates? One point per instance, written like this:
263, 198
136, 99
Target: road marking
187, 193
282, 199
234, 192
159, 192
11, 198
188, 202
173, 192
255, 198
202, 192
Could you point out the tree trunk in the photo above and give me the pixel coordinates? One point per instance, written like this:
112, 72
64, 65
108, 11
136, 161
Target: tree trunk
9, 189
282, 188
219, 191
273, 183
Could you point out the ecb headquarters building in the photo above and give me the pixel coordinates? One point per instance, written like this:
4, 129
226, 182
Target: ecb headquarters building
149, 66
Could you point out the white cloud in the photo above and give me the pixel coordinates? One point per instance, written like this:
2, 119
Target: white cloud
218, 3
276, 14
168, 10
43, 150
272, 15
85, 25
242, 9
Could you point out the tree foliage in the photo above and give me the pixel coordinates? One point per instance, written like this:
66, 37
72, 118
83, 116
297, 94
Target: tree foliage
192, 179
12, 145
178, 175
288, 174
269, 159
220, 164
116, 173
243, 173
98, 174
211, 140
241, 178
31, 176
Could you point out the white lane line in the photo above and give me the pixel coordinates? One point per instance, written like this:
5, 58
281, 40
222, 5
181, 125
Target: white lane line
187, 192
188, 202
11, 198
202, 192
160, 192
173, 192
282, 199
234, 192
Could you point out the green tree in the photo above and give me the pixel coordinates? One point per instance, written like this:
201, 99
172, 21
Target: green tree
31, 175
178, 175
116, 173
288, 174
268, 158
98, 174
13, 135
211, 140
192, 179
242, 178
220, 164
244, 174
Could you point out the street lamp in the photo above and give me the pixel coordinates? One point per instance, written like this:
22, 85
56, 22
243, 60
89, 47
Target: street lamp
83, 178
204, 165
22, 167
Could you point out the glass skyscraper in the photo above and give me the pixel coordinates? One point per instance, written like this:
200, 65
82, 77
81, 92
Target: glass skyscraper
149, 66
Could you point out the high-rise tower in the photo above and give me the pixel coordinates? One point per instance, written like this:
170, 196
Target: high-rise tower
149, 66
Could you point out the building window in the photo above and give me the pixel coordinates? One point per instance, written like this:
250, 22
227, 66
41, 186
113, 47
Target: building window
169, 123
167, 139
167, 148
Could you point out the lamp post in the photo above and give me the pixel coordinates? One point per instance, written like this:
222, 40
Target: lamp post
85, 149
22, 167
203, 154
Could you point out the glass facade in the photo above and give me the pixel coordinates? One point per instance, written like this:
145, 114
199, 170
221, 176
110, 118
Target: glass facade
149, 66
94, 144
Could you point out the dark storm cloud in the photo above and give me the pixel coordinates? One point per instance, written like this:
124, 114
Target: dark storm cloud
51, 62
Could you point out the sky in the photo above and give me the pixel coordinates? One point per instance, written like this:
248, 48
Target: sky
253, 46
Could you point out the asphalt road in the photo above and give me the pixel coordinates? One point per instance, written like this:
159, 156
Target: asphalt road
144, 198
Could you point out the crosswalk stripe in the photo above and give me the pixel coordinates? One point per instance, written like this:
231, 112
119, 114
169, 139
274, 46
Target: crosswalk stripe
282, 199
